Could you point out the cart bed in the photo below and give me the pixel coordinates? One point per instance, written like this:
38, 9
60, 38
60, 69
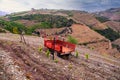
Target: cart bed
59, 46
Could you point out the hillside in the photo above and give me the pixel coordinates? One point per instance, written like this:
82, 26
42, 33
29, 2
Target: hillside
91, 39
77, 16
114, 25
111, 14
55, 21
90, 30
96, 56
116, 44
85, 36
17, 63
89, 20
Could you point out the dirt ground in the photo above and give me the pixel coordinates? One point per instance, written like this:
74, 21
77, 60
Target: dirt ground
24, 62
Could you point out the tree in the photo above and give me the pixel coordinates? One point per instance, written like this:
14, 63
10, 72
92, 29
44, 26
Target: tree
15, 30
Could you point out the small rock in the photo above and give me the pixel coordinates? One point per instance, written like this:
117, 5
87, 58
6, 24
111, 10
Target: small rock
51, 70
65, 66
1, 73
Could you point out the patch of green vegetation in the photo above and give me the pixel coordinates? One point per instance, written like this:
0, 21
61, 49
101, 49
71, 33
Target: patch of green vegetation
109, 33
40, 49
12, 26
15, 30
87, 56
102, 19
47, 19
15, 27
77, 54
44, 21
72, 40
56, 61
46, 25
48, 53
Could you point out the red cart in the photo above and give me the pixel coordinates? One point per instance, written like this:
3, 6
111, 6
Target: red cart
61, 47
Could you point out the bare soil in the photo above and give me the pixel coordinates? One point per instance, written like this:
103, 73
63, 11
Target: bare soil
24, 62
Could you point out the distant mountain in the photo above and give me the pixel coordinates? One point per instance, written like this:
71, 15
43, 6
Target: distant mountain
2, 13
112, 14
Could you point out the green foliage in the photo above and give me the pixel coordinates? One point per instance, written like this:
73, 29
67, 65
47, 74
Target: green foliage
77, 54
102, 19
87, 56
72, 40
46, 25
48, 20
15, 27
12, 26
56, 61
43, 21
15, 30
40, 49
48, 53
109, 33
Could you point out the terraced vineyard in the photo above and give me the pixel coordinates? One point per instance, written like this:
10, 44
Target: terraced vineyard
20, 61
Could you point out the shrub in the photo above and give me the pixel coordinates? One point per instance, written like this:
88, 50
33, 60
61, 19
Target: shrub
15, 30
72, 40
40, 49
56, 61
87, 56
46, 25
77, 54
13, 27
48, 53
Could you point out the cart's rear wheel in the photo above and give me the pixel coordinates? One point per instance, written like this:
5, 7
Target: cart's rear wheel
58, 54
65, 56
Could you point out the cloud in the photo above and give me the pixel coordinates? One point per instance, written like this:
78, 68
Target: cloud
88, 5
12, 6
95, 5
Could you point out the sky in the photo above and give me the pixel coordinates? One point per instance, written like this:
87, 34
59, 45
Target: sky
84, 5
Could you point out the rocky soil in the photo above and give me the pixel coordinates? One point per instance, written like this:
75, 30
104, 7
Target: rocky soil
24, 62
